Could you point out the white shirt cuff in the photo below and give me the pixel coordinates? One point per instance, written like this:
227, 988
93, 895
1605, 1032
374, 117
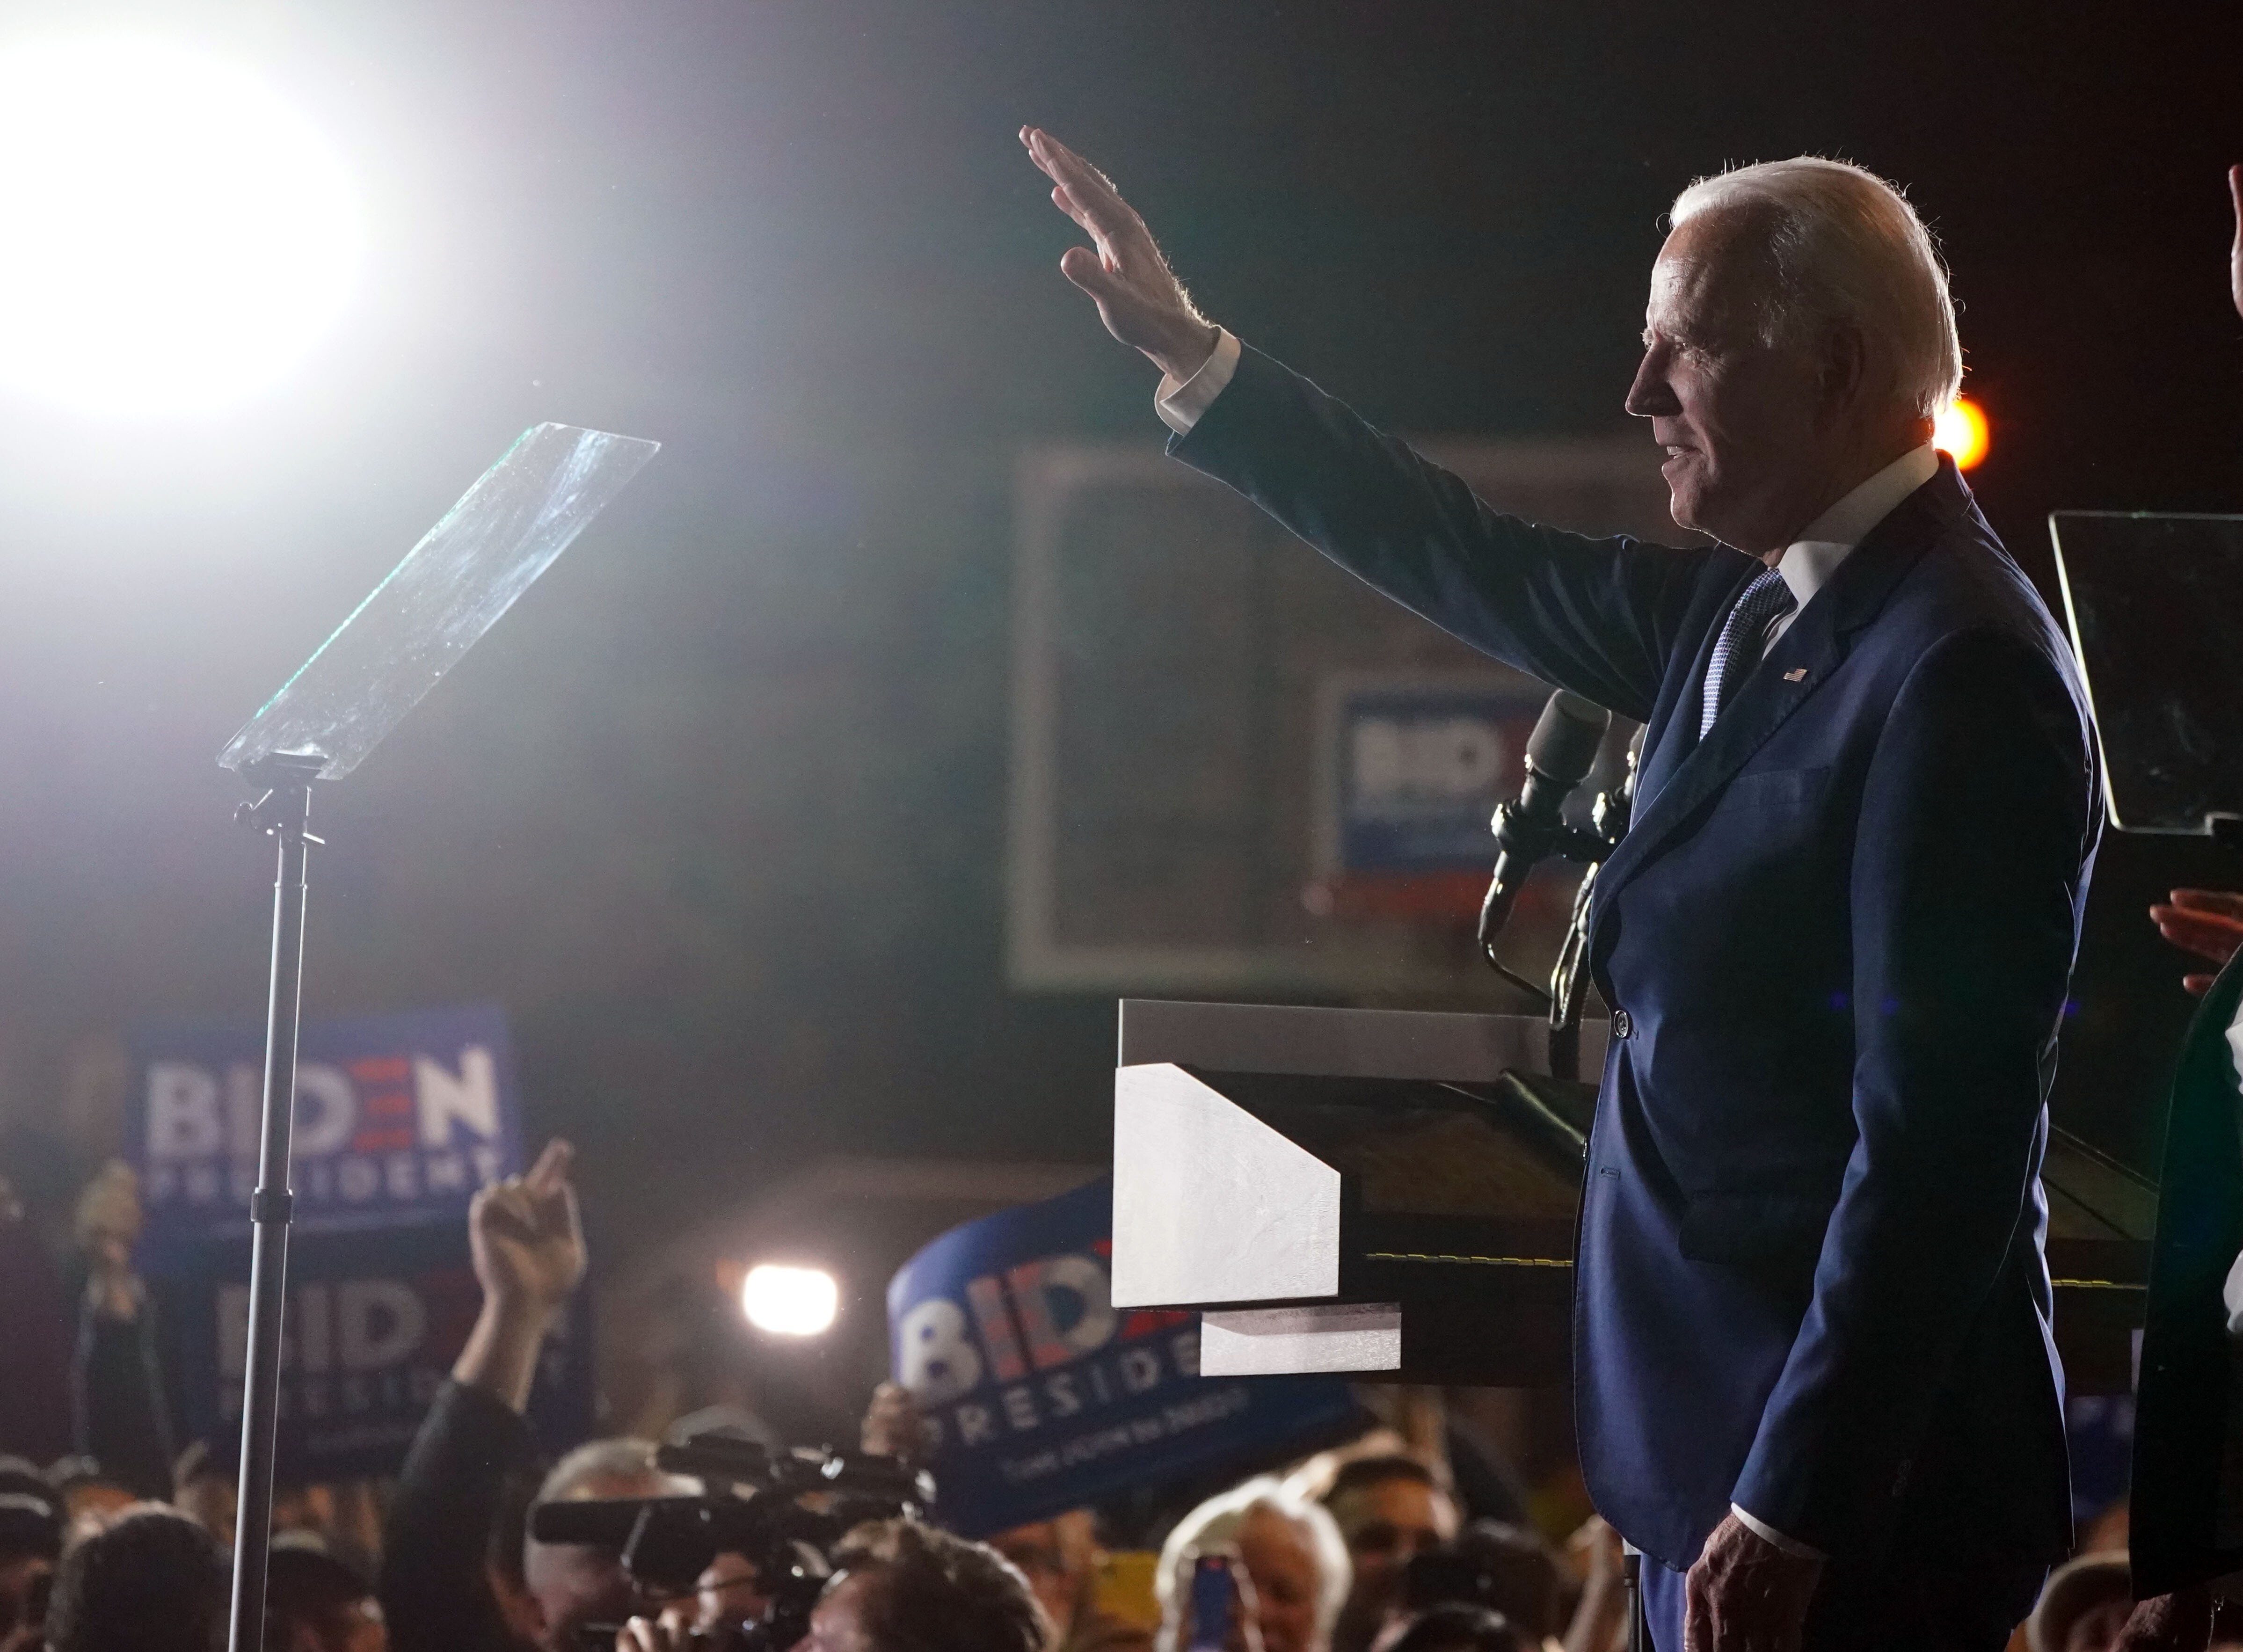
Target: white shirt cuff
1180, 405
1766, 1532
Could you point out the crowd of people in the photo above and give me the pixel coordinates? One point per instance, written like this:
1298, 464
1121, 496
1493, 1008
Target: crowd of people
1368, 1547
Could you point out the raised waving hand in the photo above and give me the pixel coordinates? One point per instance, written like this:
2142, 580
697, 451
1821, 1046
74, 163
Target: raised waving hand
1138, 296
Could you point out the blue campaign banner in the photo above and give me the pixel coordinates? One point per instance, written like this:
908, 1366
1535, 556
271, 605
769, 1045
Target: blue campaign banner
1419, 768
1039, 1396
375, 1320
398, 1119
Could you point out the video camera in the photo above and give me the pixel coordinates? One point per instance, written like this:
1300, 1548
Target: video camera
783, 1513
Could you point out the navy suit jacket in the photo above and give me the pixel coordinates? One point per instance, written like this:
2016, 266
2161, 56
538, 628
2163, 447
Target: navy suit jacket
1838, 942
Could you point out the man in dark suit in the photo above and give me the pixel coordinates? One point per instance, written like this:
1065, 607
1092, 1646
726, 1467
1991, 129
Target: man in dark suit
1815, 1377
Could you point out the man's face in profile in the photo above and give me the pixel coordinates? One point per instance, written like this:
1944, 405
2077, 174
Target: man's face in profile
1743, 423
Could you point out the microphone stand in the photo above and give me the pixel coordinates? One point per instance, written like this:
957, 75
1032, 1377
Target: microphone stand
1608, 825
1609, 821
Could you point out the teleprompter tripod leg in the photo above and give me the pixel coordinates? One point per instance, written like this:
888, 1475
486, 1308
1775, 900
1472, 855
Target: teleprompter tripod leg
284, 812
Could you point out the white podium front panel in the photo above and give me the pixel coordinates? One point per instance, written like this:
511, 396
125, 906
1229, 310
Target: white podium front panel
1210, 1204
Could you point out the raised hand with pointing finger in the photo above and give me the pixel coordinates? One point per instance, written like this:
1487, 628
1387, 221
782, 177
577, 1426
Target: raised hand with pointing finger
529, 1248
1138, 296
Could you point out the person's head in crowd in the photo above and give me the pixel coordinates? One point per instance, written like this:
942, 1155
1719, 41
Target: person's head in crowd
1058, 1557
91, 1500
1453, 1629
2084, 1606
902, 1586
1294, 1557
567, 1585
30, 1540
1389, 1508
204, 1488
152, 1580
1506, 1570
313, 1603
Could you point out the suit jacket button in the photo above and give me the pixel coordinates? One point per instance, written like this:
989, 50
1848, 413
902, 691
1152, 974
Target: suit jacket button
1623, 1025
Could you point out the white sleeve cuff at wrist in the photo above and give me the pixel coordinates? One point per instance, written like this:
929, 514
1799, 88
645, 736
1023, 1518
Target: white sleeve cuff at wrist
1180, 405
1767, 1534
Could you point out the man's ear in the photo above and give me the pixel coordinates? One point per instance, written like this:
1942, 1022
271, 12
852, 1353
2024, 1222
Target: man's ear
1845, 369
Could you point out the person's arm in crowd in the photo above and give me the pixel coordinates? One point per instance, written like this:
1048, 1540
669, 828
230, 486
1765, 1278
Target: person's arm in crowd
1596, 616
119, 1415
528, 1251
1599, 1621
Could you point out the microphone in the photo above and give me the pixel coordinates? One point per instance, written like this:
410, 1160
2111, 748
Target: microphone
1559, 754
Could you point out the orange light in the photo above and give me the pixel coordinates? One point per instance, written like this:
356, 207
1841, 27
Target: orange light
1961, 432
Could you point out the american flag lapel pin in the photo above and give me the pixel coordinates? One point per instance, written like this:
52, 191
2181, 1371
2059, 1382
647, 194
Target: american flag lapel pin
1797, 674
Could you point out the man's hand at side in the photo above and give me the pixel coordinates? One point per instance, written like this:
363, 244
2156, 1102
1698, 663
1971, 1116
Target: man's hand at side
1138, 297
1745, 1595
529, 1249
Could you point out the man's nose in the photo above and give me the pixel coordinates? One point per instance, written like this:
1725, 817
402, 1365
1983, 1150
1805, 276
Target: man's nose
1650, 396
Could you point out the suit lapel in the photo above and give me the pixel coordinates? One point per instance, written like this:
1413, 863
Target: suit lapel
1686, 772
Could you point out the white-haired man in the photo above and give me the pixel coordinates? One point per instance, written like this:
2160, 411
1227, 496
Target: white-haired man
1815, 1377
1295, 1561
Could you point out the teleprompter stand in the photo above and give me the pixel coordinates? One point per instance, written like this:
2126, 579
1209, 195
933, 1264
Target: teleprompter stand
432, 608
285, 812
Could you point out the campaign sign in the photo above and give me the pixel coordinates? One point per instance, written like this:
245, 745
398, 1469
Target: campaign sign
398, 1119
1418, 768
373, 1324
1039, 1396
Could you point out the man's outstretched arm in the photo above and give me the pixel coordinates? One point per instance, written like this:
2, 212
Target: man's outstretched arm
1600, 617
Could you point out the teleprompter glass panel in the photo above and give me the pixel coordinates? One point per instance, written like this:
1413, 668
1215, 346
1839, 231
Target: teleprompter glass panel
2155, 602
450, 589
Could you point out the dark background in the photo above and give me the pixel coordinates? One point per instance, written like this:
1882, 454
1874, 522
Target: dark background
718, 811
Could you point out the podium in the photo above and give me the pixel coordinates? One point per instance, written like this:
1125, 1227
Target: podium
1391, 1194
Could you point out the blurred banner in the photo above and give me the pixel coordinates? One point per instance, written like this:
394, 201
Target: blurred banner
375, 1321
399, 1120
1038, 1396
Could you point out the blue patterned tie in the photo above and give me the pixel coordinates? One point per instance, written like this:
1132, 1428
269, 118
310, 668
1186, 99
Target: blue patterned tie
1739, 641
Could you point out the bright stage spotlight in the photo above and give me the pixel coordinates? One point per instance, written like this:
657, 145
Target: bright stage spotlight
175, 237
1961, 433
789, 1302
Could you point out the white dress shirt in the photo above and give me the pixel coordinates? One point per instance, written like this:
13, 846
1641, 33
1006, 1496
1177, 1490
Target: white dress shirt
1807, 564
1809, 561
